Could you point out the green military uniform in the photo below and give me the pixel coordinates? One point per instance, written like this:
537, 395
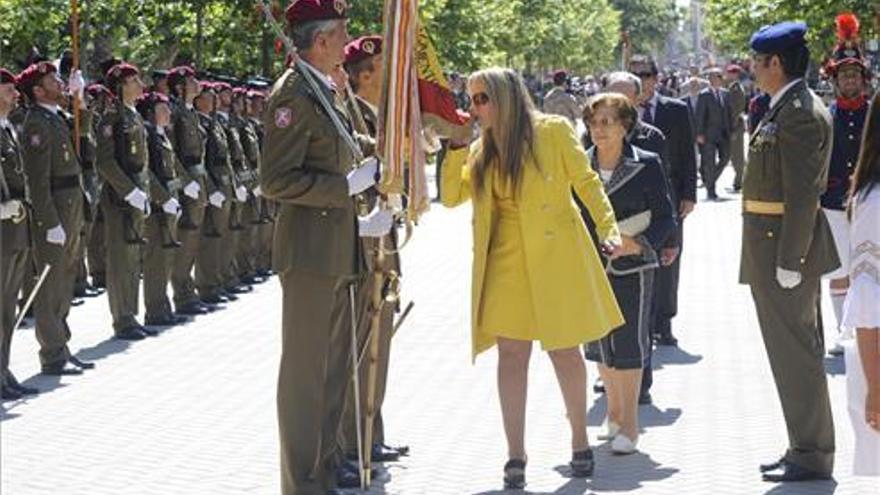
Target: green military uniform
316, 254
54, 180
738, 102
15, 243
167, 177
212, 261
123, 160
365, 297
188, 140
87, 146
237, 228
246, 250
265, 231
783, 226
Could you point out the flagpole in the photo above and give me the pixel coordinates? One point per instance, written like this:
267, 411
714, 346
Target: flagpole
74, 35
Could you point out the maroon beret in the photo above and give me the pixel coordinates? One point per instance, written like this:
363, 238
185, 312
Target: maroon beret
301, 11
205, 86
734, 68
6, 77
362, 49
95, 90
31, 76
148, 101
220, 86
177, 74
255, 94
119, 72
239, 92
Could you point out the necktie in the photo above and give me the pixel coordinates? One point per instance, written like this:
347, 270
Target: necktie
646, 113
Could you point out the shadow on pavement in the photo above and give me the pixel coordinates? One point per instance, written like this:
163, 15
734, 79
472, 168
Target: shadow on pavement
43, 383
804, 488
104, 349
673, 355
649, 416
835, 366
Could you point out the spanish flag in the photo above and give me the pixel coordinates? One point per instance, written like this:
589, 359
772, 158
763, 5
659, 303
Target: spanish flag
437, 104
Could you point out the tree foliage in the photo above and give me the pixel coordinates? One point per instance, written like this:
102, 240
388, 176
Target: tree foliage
731, 22
231, 35
647, 22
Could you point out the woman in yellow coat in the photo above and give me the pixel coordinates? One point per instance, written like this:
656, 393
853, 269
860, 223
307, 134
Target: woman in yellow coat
536, 273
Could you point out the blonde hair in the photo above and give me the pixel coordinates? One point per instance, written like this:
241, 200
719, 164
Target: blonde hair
508, 141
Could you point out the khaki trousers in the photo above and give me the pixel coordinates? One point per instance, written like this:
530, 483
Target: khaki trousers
13, 267
796, 351
123, 263
190, 236
211, 261
738, 155
158, 264
313, 379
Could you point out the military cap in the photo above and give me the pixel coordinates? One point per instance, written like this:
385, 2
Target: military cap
301, 11
206, 86
221, 86
119, 72
95, 90
147, 102
779, 38
159, 74
362, 49
847, 51
253, 94
734, 69
176, 75
239, 92
31, 76
6, 77
559, 77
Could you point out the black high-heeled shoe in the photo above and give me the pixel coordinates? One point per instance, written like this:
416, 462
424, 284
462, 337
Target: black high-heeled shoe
515, 474
582, 463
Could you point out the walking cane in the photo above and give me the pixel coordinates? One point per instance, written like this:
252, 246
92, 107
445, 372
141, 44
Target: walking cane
355, 378
32, 296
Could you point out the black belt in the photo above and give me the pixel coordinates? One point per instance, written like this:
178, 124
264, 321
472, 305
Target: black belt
64, 182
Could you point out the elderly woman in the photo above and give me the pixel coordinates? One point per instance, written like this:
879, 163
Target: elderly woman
636, 185
536, 275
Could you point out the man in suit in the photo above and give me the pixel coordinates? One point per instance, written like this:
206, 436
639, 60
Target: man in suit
309, 168
713, 130
738, 103
787, 246
559, 101
672, 118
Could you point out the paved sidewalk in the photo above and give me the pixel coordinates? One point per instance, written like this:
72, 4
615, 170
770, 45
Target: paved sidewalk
193, 411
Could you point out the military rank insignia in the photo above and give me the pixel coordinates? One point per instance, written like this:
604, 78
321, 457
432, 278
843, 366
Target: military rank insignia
283, 117
765, 137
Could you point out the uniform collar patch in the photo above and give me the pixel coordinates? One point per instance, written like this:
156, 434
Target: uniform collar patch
283, 117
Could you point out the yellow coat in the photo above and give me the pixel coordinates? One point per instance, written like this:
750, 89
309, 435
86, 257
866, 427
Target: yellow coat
573, 301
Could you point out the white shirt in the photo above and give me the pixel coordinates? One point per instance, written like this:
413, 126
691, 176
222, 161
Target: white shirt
51, 108
224, 115
779, 94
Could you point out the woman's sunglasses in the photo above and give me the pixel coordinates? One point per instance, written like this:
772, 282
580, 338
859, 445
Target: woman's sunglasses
480, 99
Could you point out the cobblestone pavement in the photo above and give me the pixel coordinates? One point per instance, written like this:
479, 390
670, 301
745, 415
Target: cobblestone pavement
193, 411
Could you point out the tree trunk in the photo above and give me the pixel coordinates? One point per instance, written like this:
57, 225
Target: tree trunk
200, 33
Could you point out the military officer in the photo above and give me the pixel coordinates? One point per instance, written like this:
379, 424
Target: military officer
736, 95
54, 181
363, 63
308, 167
99, 98
787, 246
256, 103
15, 235
212, 258
166, 179
245, 260
188, 140
851, 76
123, 161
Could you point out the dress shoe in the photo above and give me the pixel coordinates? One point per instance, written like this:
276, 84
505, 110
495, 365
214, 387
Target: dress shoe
76, 301
61, 369
622, 445
191, 309
788, 471
149, 332
582, 463
9, 393
131, 333
382, 453
215, 299
164, 320
79, 363
88, 291
239, 289
253, 279
11, 381
99, 282
402, 450
666, 340
347, 475
645, 399
772, 466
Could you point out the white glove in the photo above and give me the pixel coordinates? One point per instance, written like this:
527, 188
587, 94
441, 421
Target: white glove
11, 209
787, 279
138, 200
76, 84
171, 207
363, 177
56, 235
241, 194
216, 199
377, 224
258, 191
192, 190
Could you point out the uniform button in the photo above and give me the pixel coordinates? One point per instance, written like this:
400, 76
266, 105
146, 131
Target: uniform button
851, 137
548, 234
770, 234
545, 207
803, 261
324, 213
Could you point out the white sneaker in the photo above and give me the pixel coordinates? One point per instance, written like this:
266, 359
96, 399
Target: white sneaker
622, 445
613, 428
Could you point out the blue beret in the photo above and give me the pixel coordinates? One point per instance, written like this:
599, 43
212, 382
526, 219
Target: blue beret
779, 37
